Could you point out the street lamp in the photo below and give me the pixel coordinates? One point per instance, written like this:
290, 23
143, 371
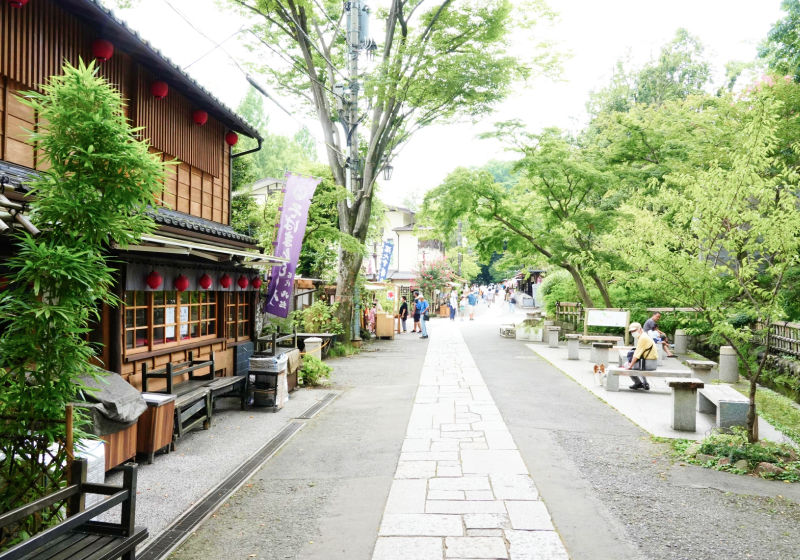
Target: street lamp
387, 172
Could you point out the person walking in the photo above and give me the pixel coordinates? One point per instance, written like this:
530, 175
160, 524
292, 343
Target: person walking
453, 304
472, 301
644, 355
417, 327
423, 315
512, 301
462, 305
403, 313
489, 298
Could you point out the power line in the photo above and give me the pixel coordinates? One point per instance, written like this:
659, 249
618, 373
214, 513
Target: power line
215, 48
294, 63
335, 25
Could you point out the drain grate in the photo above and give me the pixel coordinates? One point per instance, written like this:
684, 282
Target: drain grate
180, 529
315, 408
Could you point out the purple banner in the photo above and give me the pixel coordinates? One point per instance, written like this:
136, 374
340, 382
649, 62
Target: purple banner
296, 201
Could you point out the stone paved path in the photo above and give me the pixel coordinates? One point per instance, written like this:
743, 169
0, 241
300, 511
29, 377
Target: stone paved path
461, 490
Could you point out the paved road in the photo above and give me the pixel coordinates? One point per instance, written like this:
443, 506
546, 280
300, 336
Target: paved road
611, 491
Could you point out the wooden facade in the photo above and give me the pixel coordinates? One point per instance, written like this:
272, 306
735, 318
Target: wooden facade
152, 327
34, 43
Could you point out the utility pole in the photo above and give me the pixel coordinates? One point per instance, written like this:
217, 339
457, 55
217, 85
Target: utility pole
459, 248
350, 113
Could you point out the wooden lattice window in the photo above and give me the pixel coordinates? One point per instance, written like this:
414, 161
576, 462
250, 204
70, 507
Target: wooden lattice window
237, 316
137, 319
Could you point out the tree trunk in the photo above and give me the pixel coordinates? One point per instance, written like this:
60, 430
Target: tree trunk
603, 290
349, 267
576, 276
752, 416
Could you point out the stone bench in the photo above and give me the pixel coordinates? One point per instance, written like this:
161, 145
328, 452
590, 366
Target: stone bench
573, 346
728, 404
702, 369
598, 338
599, 354
614, 373
684, 397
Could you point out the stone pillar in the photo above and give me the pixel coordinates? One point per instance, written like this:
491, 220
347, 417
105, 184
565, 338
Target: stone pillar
728, 365
681, 342
573, 347
549, 323
552, 333
660, 353
635, 337
701, 369
601, 352
684, 417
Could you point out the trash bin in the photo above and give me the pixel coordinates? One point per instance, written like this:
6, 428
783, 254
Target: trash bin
268, 373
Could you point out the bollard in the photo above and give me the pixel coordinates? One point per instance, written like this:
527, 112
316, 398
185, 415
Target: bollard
659, 354
601, 352
552, 333
681, 342
728, 365
314, 347
573, 347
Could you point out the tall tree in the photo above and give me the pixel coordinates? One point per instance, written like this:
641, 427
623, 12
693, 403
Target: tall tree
436, 63
781, 48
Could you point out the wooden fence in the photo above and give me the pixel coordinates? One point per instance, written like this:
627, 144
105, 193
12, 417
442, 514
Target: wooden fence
784, 337
569, 312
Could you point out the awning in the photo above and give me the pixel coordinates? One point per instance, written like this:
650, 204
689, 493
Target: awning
169, 245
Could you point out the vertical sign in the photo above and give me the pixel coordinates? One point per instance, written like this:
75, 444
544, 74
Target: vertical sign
296, 201
386, 258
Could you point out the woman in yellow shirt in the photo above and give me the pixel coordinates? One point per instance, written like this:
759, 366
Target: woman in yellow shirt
645, 354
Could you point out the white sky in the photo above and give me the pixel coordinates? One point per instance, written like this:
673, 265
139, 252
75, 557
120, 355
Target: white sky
596, 32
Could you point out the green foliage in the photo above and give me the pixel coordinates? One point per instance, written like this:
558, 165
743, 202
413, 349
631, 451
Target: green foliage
314, 370
246, 213
319, 318
339, 350
100, 180
557, 287
778, 410
432, 275
679, 70
781, 48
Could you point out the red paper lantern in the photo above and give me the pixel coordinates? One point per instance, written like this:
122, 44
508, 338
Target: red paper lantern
231, 138
225, 281
159, 89
102, 50
181, 283
17, 3
154, 280
256, 282
200, 117
205, 281
243, 282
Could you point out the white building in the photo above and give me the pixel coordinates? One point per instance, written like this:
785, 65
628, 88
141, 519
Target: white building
409, 250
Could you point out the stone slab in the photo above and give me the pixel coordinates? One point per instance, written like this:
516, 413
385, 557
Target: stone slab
536, 545
475, 547
407, 496
529, 516
421, 525
402, 548
492, 462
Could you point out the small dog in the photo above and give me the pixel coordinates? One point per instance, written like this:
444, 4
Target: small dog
601, 370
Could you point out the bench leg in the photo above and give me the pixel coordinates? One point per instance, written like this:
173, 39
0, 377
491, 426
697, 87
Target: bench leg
612, 382
150, 458
207, 421
130, 555
704, 405
684, 417
732, 414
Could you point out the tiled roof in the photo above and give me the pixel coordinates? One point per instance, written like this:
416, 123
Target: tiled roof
173, 218
15, 175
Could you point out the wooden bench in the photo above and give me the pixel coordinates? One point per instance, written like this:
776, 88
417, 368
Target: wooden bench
272, 341
684, 397
728, 404
193, 405
614, 373
229, 387
77, 536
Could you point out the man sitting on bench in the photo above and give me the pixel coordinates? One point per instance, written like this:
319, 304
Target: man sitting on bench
651, 328
644, 354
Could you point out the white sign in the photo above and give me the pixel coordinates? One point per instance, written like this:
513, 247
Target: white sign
390, 295
601, 318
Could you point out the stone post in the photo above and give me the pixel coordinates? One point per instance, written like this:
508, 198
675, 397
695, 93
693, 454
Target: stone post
684, 399
573, 347
660, 354
601, 352
728, 365
681, 342
552, 333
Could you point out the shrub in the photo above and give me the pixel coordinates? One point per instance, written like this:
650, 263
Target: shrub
314, 370
319, 318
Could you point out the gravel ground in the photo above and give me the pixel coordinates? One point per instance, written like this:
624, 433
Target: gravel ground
203, 458
632, 477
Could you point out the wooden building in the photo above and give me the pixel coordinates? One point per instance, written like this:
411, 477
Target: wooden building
206, 298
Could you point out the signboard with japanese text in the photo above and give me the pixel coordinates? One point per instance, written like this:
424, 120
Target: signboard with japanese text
386, 258
292, 228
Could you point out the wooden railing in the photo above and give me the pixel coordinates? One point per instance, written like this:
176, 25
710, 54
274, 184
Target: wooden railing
569, 312
784, 337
